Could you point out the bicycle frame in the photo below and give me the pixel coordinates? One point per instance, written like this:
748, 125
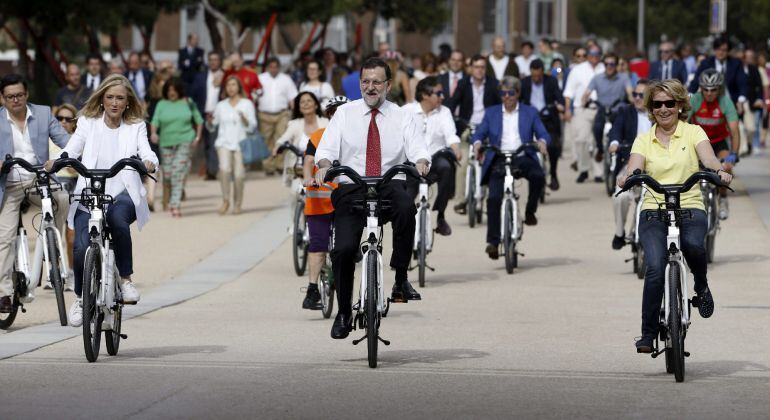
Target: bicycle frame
424, 203
509, 195
41, 244
372, 245
478, 192
675, 256
106, 298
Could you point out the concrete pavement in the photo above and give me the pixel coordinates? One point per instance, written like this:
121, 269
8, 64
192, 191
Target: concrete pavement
553, 340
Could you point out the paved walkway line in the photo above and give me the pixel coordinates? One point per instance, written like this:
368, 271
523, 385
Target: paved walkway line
226, 264
754, 173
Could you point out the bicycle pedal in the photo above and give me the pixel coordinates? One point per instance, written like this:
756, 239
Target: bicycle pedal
355, 342
629, 259
687, 354
384, 341
520, 254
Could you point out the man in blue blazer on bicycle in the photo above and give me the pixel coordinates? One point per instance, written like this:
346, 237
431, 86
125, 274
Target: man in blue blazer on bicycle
507, 127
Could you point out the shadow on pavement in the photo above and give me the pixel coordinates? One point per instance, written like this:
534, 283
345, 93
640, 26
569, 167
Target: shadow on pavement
726, 368
528, 263
443, 279
157, 352
564, 200
212, 210
404, 357
744, 258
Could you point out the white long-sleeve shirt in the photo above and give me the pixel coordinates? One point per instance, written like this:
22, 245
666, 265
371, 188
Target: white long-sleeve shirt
437, 127
230, 127
346, 136
577, 82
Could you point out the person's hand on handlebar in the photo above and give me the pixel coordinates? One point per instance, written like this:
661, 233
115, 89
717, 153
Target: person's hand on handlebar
48, 165
725, 176
147, 164
542, 147
613, 147
320, 175
423, 167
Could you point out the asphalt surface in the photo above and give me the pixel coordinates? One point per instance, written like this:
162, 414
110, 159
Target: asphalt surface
553, 340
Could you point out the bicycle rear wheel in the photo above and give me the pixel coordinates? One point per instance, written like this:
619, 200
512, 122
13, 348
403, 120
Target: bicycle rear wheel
372, 321
422, 249
713, 221
92, 314
6, 320
112, 337
509, 245
675, 328
609, 177
471, 194
298, 240
326, 287
55, 274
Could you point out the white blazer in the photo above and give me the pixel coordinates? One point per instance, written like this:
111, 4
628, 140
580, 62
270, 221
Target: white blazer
132, 139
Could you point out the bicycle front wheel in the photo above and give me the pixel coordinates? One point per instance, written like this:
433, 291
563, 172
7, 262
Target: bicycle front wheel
6, 320
298, 240
327, 291
54, 275
422, 248
509, 245
471, 193
112, 337
372, 321
675, 328
92, 314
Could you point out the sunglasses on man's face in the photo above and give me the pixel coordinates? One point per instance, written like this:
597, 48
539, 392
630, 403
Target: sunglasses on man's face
505, 93
611, 64
65, 119
639, 95
670, 104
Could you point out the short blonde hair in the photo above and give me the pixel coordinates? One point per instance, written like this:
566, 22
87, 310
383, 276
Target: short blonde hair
93, 107
673, 88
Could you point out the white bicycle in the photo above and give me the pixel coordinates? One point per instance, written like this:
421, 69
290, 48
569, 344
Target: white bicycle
372, 305
675, 307
49, 247
300, 235
102, 299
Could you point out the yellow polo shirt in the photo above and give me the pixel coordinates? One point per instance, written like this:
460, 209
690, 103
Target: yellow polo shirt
673, 165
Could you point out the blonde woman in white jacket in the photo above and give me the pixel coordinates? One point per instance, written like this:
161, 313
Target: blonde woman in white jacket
111, 127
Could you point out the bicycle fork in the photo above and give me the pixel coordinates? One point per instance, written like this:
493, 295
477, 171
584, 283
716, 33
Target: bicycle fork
509, 195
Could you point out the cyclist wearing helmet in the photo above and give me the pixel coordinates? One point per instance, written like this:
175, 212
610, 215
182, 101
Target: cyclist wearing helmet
318, 209
713, 110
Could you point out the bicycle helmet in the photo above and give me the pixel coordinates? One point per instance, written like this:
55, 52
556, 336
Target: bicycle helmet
711, 78
334, 102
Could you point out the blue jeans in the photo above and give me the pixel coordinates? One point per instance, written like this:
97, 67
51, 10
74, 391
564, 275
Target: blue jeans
119, 217
652, 235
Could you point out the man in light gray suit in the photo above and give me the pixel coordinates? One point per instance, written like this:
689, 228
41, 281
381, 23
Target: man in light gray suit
24, 133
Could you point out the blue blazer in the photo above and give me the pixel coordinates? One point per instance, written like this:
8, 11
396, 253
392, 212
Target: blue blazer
491, 128
42, 126
678, 71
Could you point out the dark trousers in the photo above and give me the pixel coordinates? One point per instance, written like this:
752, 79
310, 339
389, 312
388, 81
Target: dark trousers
210, 153
349, 225
554, 149
119, 217
531, 171
442, 171
652, 235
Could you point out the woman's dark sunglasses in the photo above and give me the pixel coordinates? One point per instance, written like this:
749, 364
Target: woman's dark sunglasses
66, 119
669, 104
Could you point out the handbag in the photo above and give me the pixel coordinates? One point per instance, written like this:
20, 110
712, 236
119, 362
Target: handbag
253, 148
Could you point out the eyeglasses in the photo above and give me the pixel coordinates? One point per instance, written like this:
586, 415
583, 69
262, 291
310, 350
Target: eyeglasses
611, 64
438, 93
505, 93
638, 95
594, 53
376, 83
65, 119
16, 97
670, 104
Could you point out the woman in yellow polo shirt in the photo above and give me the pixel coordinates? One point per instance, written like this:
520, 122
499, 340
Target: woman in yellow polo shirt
669, 153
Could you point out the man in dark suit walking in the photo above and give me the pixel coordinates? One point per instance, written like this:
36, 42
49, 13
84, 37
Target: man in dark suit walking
735, 78
451, 79
668, 67
472, 96
542, 92
140, 78
190, 61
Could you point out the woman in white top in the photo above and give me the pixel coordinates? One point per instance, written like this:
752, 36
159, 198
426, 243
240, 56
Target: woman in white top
313, 84
111, 127
235, 118
306, 119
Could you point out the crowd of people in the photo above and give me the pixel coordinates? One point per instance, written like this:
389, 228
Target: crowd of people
373, 112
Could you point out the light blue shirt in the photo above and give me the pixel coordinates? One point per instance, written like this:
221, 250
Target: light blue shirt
537, 99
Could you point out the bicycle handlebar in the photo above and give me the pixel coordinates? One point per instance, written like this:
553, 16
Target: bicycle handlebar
65, 161
10, 161
447, 153
638, 178
290, 147
521, 148
336, 171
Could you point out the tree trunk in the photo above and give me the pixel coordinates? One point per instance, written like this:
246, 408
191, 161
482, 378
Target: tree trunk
214, 34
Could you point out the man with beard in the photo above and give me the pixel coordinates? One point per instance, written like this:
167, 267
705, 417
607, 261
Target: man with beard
370, 135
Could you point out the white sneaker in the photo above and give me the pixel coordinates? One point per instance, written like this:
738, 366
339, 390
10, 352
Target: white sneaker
47, 286
130, 294
724, 210
68, 286
76, 313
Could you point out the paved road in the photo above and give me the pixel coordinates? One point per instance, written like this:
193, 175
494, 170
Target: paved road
553, 340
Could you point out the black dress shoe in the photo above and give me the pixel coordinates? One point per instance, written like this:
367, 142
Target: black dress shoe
573, 165
404, 292
582, 177
554, 185
644, 345
618, 242
443, 228
460, 207
530, 219
312, 299
598, 179
341, 327
6, 306
492, 251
